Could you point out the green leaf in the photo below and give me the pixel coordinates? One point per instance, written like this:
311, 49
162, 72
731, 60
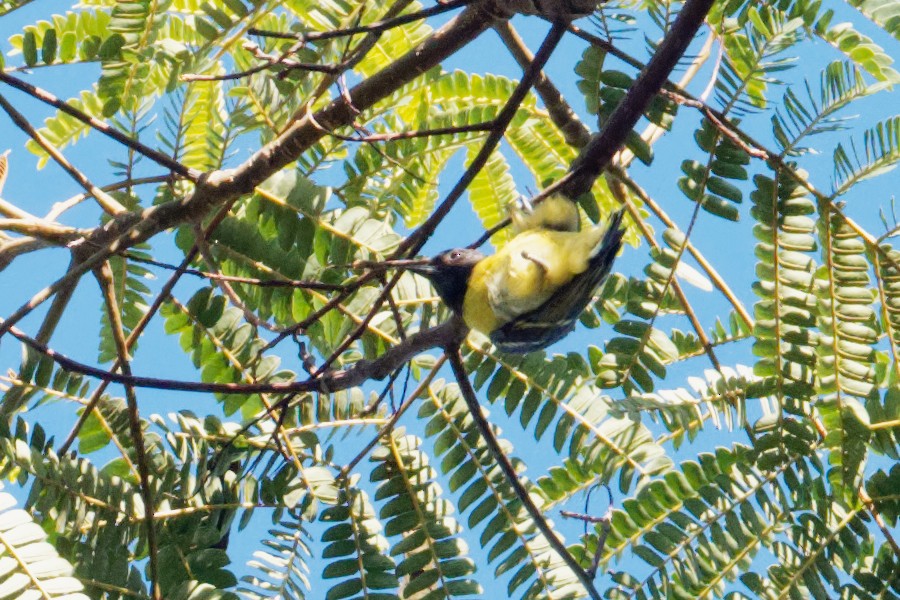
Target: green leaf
49, 46
29, 49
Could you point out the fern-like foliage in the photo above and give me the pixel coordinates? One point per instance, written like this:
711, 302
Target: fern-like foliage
752, 58
357, 550
846, 350
31, 566
841, 83
521, 554
786, 312
883, 12
431, 558
880, 153
697, 530
281, 569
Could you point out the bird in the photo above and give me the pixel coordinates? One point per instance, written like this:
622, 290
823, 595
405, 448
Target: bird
531, 292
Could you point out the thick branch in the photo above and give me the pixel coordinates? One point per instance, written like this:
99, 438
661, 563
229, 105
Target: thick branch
221, 187
453, 331
47, 231
10, 249
574, 131
599, 152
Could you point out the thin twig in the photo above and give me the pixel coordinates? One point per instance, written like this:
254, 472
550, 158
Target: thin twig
582, 517
269, 61
720, 122
395, 313
109, 204
107, 286
720, 283
291, 283
388, 389
48, 98
225, 286
407, 402
411, 245
138, 330
414, 242
376, 27
228, 76
60, 207
406, 135
487, 434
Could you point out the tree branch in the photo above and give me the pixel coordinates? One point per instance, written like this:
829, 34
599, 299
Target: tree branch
574, 131
423, 385
599, 152
417, 239
414, 242
109, 204
376, 27
468, 394
48, 98
161, 297
222, 187
107, 287
449, 332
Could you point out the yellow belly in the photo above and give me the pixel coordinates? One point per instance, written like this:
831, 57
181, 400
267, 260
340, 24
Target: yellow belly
524, 274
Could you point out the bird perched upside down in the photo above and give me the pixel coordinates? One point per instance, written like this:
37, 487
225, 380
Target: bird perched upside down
530, 293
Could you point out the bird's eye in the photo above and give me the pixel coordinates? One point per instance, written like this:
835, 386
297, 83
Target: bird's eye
455, 255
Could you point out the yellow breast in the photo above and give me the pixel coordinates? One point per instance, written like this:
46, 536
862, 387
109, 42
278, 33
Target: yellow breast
524, 274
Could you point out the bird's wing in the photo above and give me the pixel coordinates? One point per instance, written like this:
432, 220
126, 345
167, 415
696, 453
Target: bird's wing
556, 317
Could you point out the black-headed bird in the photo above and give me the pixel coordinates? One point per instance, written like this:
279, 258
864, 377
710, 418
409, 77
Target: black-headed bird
532, 291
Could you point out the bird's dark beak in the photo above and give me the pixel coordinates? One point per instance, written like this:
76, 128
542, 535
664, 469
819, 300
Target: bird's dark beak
426, 269
422, 266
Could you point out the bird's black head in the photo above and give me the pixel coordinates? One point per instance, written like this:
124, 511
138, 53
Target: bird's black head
449, 272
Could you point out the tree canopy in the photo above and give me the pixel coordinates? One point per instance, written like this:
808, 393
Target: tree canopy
724, 423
